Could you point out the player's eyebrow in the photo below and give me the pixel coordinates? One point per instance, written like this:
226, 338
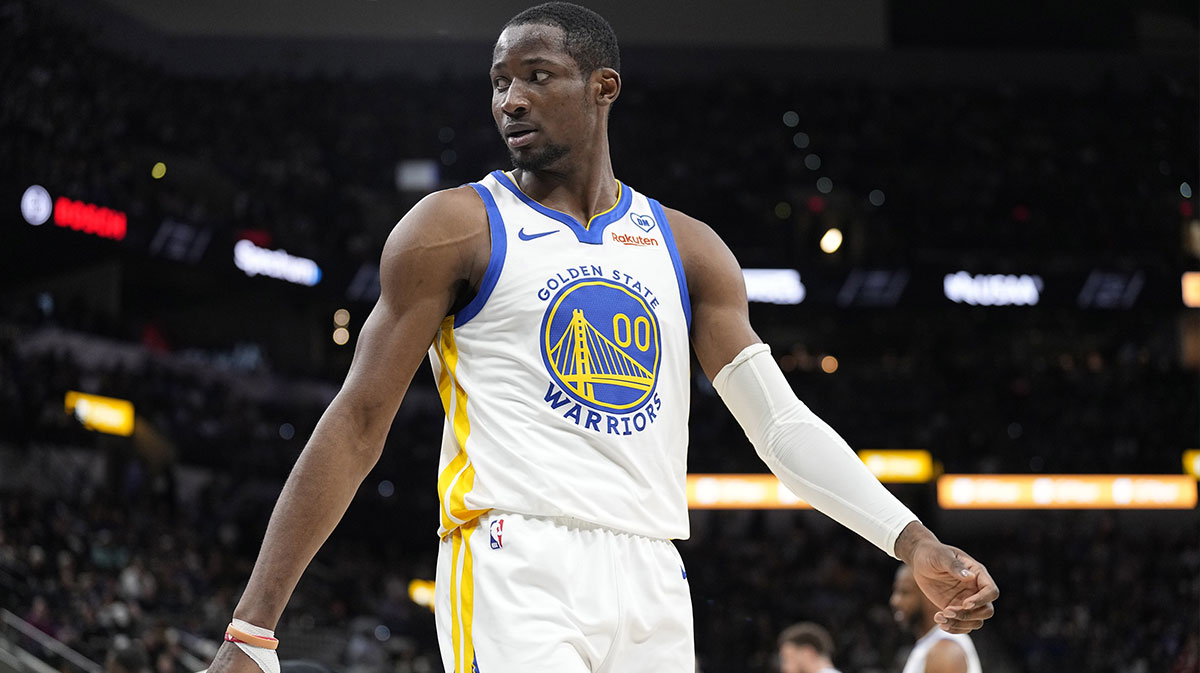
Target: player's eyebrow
531, 60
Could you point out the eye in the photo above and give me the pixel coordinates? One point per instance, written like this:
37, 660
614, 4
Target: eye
539, 76
499, 83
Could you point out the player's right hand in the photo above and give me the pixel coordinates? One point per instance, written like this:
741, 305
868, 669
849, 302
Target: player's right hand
957, 584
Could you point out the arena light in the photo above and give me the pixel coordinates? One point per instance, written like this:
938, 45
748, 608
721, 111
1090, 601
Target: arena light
899, 466
774, 286
37, 208
421, 592
764, 491
740, 491
103, 414
1066, 491
89, 218
1191, 463
36, 205
254, 261
831, 241
993, 289
1191, 289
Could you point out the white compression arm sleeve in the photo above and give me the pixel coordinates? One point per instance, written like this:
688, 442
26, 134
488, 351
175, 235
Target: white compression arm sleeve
805, 453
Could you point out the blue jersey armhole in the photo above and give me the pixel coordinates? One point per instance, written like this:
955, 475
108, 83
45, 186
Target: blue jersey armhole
495, 261
680, 276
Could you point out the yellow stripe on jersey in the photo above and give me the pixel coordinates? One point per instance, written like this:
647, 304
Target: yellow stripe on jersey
604, 212
458, 477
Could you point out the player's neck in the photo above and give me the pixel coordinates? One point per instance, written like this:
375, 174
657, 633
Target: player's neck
582, 189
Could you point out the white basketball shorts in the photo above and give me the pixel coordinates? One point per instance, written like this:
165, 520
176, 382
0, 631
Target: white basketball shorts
524, 594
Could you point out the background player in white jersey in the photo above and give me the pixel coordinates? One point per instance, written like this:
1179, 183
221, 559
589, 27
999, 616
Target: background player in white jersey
935, 651
806, 648
511, 595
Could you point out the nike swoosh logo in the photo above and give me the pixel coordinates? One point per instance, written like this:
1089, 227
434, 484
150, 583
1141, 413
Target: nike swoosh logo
529, 237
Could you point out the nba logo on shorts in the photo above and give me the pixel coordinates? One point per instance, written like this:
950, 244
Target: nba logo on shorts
497, 531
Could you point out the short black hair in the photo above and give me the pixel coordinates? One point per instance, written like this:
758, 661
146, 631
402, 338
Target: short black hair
811, 634
587, 37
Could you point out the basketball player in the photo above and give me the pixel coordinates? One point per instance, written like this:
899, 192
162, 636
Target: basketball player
936, 651
806, 648
556, 305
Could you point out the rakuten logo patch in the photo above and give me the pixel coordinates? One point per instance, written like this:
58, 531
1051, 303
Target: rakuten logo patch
626, 239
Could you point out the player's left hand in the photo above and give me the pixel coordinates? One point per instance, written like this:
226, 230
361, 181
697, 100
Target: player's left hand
958, 584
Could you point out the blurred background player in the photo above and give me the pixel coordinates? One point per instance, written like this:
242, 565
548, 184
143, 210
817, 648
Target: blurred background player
806, 648
935, 651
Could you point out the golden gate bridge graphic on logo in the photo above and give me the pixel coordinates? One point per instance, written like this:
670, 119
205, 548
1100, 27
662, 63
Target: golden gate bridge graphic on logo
584, 358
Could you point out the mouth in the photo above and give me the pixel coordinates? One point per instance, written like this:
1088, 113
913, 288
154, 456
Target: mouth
519, 138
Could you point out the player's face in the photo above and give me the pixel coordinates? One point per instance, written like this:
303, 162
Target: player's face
907, 599
539, 98
794, 659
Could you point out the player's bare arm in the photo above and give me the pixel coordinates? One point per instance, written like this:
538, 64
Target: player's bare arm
721, 333
946, 656
432, 262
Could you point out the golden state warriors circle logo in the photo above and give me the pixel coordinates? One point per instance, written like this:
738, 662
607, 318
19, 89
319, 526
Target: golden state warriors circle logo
601, 345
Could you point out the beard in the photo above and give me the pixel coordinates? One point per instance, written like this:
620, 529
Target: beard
910, 622
539, 159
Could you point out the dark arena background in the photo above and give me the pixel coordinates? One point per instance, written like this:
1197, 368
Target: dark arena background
970, 235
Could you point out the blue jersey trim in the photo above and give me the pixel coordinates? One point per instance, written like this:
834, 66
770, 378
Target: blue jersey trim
680, 276
495, 261
593, 232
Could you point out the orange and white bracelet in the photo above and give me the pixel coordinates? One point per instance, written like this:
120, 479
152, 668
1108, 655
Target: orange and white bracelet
256, 642
235, 635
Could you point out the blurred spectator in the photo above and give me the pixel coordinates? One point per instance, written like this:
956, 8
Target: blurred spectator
806, 648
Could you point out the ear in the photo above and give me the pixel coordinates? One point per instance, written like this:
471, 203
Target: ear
606, 83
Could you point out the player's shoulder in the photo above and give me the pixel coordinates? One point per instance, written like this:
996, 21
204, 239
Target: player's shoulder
447, 214
946, 656
701, 249
457, 207
449, 226
693, 237
683, 224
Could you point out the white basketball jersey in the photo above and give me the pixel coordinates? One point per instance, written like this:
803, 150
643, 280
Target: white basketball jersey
916, 660
565, 380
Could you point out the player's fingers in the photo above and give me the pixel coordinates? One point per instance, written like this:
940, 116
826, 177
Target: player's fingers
961, 626
988, 591
979, 612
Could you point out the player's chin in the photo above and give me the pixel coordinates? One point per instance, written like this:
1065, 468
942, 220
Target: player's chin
537, 157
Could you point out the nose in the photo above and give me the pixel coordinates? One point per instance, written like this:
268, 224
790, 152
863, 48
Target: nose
514, 102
